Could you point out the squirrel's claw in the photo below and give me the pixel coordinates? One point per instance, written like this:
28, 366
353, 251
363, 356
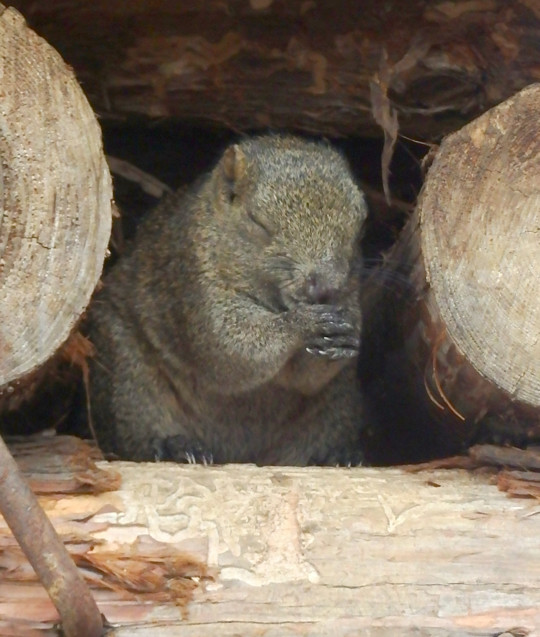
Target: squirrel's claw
179, 449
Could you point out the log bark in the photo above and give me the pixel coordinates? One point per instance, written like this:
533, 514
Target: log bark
292, 551
295, 64
56, 202
466, 347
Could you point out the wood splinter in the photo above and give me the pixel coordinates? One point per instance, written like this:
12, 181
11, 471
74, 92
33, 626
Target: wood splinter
46, 553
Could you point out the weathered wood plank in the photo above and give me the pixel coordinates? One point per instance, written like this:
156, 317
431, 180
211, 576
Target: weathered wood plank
312, 551
56, 203
296, 64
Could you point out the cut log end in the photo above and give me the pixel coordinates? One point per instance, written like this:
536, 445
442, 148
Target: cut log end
56, 207
454, 357
480, 217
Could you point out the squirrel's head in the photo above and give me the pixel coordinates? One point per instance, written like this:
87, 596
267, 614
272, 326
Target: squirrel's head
288, 217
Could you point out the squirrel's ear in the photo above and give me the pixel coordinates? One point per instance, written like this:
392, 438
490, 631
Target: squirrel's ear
234, 166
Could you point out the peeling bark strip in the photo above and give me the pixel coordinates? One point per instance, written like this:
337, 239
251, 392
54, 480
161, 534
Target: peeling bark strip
46, 553
56, 201
296, 64
66, 465
467, 349
311, 551
136, 572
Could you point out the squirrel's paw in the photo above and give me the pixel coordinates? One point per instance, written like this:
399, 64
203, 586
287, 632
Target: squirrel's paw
342, 458
180, 449
334, 336
350, 459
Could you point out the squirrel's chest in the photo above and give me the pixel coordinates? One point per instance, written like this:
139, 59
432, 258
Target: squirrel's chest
268, 404
246, 426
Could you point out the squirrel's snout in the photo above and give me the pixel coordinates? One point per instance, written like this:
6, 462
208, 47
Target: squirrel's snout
322, 289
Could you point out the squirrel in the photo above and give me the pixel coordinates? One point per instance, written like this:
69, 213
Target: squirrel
230, 330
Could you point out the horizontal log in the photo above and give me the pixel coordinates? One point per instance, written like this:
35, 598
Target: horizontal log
295, 551
296, 64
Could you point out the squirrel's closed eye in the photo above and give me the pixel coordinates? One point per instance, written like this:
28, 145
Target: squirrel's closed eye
264, 226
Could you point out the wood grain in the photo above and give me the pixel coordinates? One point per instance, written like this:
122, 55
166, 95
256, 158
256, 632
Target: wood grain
457, 347
311, 551
55, 200
296, 64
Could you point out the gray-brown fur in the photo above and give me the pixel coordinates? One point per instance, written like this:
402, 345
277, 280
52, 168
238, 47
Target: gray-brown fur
230, 331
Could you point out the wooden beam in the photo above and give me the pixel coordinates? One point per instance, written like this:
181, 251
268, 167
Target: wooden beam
296, 64
56, 202
295, 551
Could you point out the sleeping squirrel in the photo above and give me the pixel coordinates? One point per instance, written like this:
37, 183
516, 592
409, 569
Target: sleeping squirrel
230, 331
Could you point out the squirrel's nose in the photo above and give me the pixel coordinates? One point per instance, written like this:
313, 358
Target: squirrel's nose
319, 289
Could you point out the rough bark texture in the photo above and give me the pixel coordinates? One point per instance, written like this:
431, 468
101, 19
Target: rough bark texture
315, 551
467, 347
296, 64
56, 201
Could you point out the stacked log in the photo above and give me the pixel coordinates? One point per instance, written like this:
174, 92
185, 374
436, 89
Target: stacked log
55, 226
460, 343
280, 552
295, 64
56, 204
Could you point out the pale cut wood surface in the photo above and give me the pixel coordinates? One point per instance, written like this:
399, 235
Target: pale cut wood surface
454, 352
480, 240
56, 198
313, 551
